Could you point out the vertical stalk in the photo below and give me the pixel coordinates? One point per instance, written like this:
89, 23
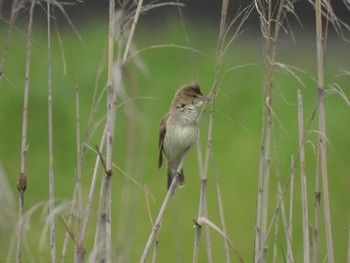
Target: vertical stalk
281, 209
76, 206
275, 240
125, 221
202, 211
80, 251
22, 181
85, 220
264, 167
221, 211
291, 198
106, 217
110, 88
114, 82
51, 170
322, 155
15, 8
258, 228
78, 194
271, 19
106, 209
110, 116
306, 243
202, 202
317, 215
158, 222
280, 204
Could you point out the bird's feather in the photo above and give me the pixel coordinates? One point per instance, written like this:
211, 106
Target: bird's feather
162, 132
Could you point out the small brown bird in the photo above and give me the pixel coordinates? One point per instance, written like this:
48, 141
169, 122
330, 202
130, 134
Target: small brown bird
178, 129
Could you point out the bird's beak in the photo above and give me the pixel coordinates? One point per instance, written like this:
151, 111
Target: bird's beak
205, 98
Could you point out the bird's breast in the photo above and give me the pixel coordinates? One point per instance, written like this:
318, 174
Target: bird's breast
178, 139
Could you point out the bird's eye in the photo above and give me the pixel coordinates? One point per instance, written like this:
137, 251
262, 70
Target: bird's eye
194, 96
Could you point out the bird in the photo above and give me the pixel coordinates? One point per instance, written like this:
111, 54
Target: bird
178, 129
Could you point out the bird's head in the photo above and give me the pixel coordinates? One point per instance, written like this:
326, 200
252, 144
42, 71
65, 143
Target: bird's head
189, 95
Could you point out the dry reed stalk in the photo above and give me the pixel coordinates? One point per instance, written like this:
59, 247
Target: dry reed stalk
60, 42
115, 74
22, 181
272, 15
84, 214
306, 243
78, 198
106, 219
265, 139
200, 170
242, 15
258, 230
275, 240
87, 211
132, 31
76, 206
80, 253
156, 244
105, 198
281, 209
203, 180
264, 166
291, 198
15, 8
96, 99
199, 156
113, 87
280, 204
315, 241
221, 210
100, 233
128, 195
110, 90
81, 247
206, 221
322, 155
201, 174
202, 213
101, 248
69, 233
160, 216
50, 128
124, 238
155, 251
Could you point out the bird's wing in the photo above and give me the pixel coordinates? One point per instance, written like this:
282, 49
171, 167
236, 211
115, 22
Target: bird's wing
162, 132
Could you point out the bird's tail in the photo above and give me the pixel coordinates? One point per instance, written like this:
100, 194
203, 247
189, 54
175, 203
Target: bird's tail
171, 174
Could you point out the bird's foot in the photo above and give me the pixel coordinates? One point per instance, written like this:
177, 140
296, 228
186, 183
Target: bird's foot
180, 179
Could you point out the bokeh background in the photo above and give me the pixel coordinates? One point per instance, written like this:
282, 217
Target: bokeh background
146, 97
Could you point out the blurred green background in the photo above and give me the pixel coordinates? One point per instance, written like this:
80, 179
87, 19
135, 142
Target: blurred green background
236, 136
